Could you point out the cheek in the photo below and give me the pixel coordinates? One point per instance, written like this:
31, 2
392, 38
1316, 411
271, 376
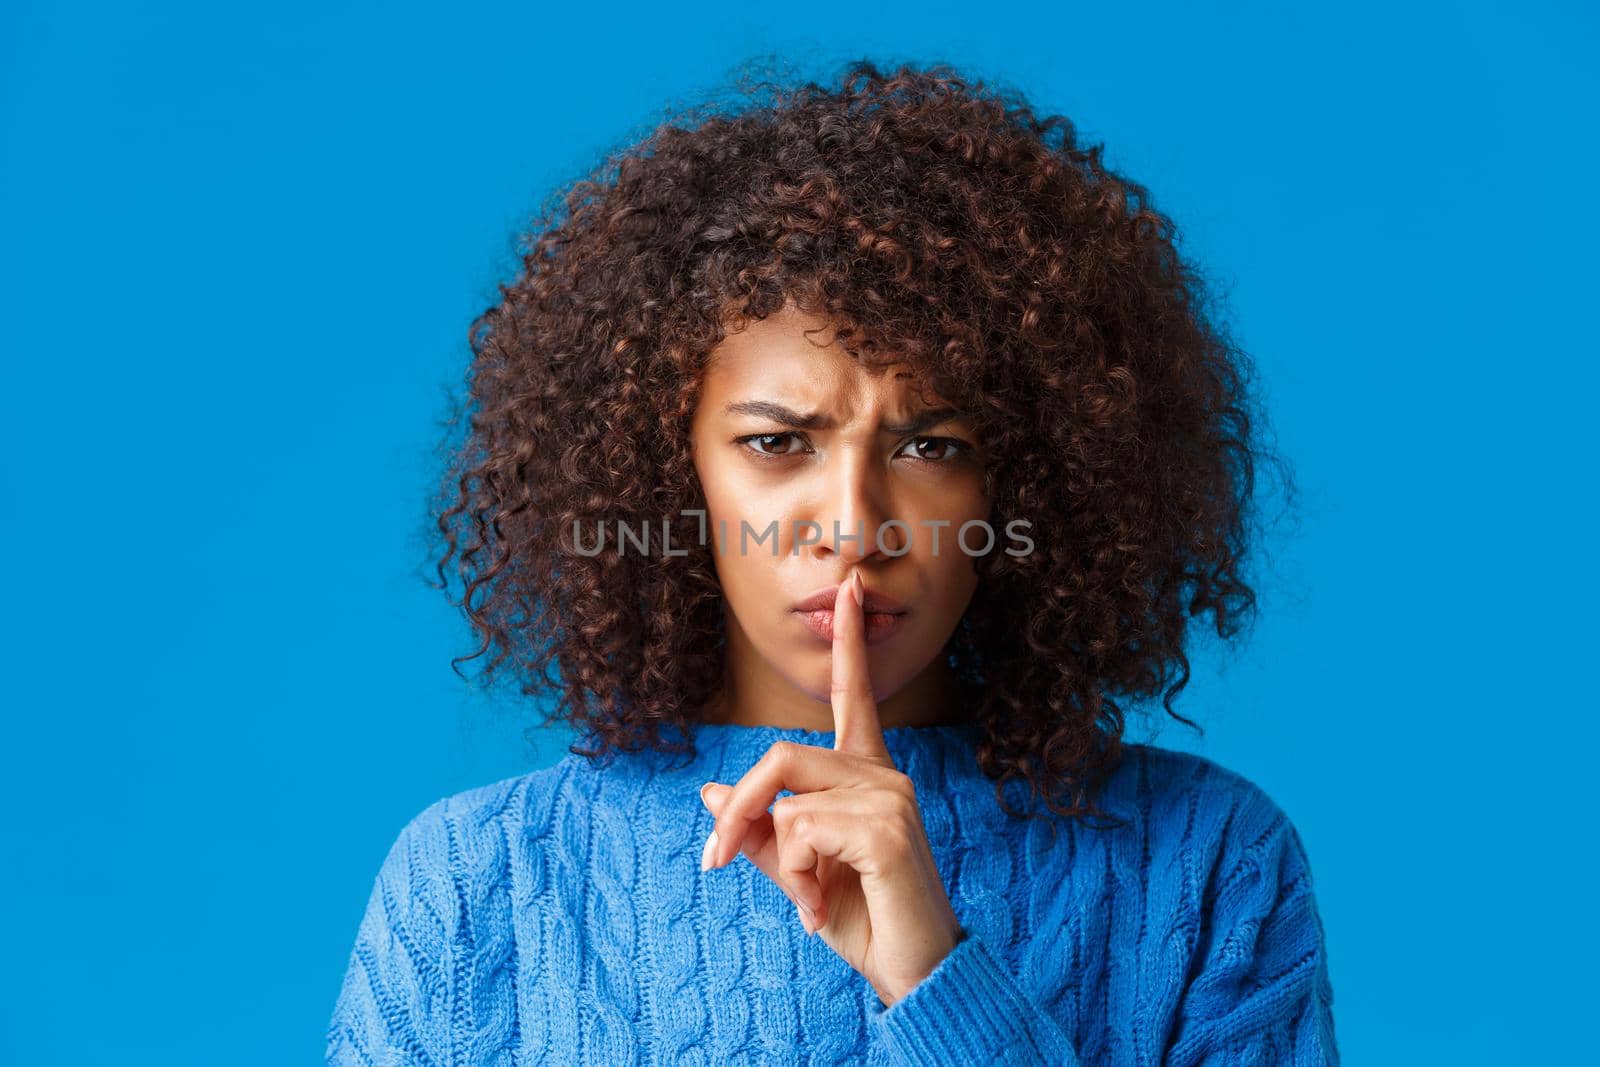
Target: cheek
749, 578
728, 498
951, 581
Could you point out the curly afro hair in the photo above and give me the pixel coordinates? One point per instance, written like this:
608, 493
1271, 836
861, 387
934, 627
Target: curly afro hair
935, 221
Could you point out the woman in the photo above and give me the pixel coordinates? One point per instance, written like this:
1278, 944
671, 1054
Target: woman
851, 456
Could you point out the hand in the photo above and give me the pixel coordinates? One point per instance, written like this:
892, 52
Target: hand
850, 844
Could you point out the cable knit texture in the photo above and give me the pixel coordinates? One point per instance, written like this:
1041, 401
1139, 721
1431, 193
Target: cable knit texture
561, 917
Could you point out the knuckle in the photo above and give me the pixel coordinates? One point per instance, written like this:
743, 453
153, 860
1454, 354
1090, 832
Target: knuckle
893, 844
898, 796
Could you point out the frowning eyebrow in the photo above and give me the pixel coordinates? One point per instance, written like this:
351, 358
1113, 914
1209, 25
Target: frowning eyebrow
784, 416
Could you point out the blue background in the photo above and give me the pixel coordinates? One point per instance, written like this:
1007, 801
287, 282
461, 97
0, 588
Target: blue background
240, 252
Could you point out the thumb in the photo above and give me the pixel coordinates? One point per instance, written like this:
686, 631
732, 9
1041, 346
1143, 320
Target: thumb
713, 795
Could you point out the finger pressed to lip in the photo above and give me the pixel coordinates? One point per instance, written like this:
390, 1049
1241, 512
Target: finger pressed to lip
879, 626
855, 710
801, 769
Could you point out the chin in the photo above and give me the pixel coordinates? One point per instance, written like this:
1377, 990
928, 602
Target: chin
818, 682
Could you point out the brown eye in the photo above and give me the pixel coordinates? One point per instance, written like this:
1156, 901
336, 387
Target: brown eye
936, 449
759, 442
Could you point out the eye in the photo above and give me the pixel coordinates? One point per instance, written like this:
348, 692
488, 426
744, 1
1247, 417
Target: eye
949, 448
756, 443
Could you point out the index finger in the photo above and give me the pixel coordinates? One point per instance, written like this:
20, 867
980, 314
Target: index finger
856, 726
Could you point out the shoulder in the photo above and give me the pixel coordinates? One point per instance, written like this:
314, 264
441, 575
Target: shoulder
1171, 771
1157, 779
1198, 806
437, 929
1231, 860
460, 838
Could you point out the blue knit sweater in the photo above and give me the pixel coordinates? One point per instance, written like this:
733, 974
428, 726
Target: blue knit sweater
562, 917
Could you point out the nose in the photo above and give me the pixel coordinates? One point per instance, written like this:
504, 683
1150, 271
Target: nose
854, 509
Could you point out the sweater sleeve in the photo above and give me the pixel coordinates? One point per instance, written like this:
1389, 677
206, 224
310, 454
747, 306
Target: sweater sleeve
971, 1010
395, 1000
1261, 993
1258, 991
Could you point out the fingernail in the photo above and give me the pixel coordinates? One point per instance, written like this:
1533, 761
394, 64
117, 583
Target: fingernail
808, 918
705, 853
860, 589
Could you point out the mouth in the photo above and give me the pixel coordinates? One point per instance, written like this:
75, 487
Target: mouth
883, 616
878, 626
874, 602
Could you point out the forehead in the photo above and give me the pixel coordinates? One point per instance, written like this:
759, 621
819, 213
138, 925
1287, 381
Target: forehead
795, 352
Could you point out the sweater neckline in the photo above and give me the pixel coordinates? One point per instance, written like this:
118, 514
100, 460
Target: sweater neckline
741, 735
736, 744
730, 729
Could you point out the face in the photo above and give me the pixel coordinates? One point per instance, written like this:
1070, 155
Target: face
789, 429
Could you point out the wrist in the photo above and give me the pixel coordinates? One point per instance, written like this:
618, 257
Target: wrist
899, 990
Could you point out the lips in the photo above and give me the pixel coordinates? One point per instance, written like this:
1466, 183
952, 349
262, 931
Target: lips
874, 603
877, 627
882, 618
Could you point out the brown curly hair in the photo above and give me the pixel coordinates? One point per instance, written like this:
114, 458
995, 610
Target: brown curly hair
937, 221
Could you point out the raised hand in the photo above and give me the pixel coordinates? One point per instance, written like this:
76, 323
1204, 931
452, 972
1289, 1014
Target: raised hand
849, 848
